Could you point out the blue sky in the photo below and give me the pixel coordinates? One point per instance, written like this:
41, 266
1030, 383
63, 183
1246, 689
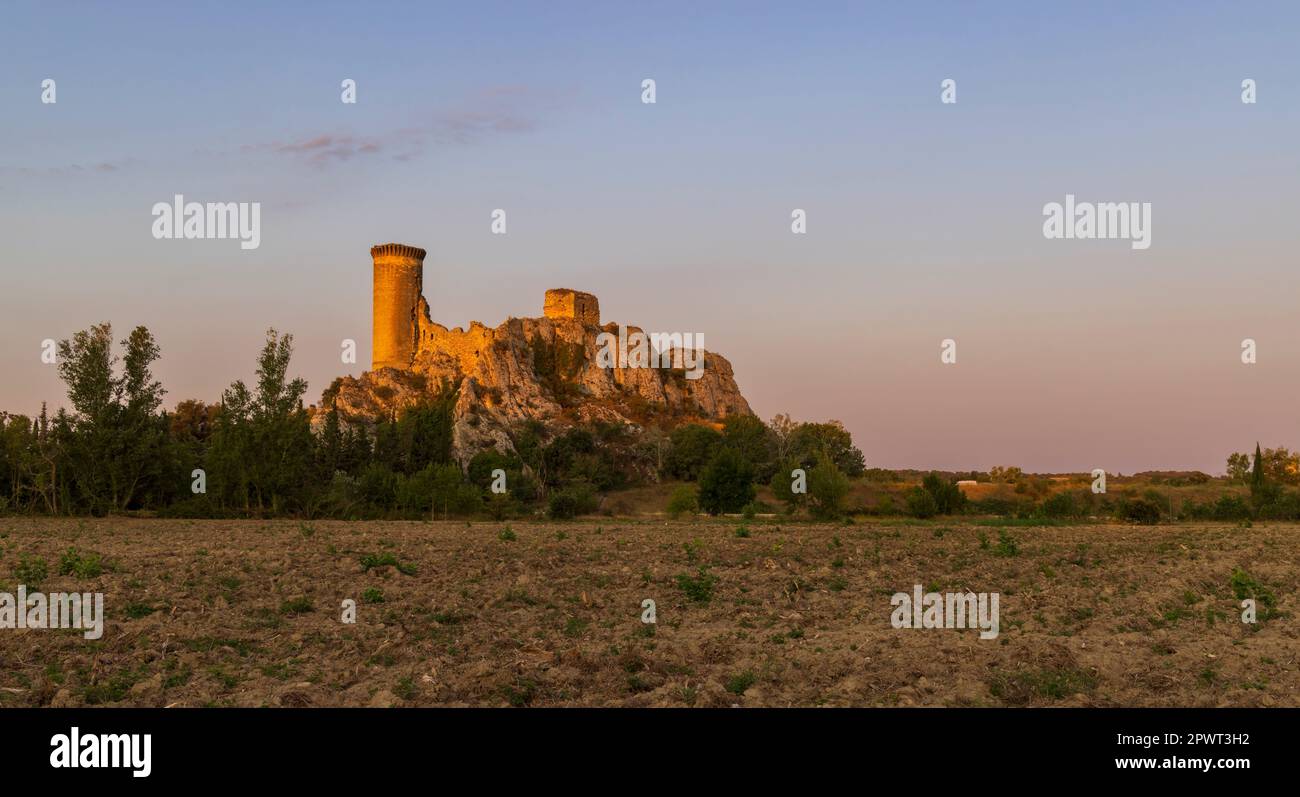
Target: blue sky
924, 218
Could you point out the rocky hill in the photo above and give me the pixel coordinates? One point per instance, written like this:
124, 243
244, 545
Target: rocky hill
547, 369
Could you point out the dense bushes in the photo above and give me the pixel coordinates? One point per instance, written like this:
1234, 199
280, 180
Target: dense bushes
1140, 510
935, 496
790, 487
948, 497
765, 454
1230, 507
921, 503
577, 499
726, 483
828, 488
1285, 506
556, 364
693, 446
1061, 505
684, 500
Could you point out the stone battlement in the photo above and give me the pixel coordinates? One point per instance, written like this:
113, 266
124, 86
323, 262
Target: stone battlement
397, 250
566, 303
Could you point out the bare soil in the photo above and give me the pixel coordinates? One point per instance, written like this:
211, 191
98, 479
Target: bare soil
249, 613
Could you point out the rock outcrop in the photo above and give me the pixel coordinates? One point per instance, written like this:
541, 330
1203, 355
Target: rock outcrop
548, 369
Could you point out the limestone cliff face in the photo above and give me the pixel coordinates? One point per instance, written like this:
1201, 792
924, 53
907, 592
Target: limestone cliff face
548, 369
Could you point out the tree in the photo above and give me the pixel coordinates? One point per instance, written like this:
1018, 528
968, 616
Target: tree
783, 428
48, 458
1009, 474
424, 433
948, 497
751, 438
192, 421
726, 483
656, 442
387, 450
827, 489
694, 445
921, 504
262, 448
1281, 466
20, 462
114, 436
783, 485
377, 487
809, 440
332, 446
527, 438
1238, 467
484, 462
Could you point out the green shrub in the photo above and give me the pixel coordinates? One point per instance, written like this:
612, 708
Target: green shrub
1244, 585
783, 483
1139, 510
300, 605
737, 684
948, 497
726, 483
370, 561
481, 465
137, 610
1007, 545
31, 572
1282, 506
921, 504
82, 566
572, 501
699, 587
1230, 507
500, 507
682, 501
827, 489
1061, 505
996, 506
377, 486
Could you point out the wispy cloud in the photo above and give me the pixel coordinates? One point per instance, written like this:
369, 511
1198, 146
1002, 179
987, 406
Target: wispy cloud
496, 111
325, 148
72, 169
491, 112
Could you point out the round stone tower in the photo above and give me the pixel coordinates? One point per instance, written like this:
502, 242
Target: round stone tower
399, 283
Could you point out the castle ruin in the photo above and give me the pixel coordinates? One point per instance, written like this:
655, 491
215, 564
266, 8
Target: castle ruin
401, 321
565, 303
398, 291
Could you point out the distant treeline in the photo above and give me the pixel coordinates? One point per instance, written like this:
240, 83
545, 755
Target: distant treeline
1256, 488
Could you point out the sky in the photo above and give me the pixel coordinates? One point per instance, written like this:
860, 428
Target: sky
924, 218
